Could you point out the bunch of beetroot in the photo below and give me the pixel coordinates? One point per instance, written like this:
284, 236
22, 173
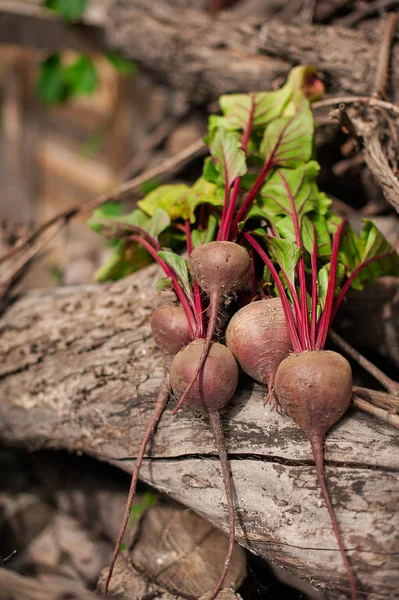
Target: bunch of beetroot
259, 236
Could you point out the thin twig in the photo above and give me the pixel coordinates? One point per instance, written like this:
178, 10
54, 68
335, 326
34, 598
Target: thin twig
388, 383
23, 265
381, 399
370, 100
160, 133
164, 171
384, 54
391, 418
342, 116
7, 558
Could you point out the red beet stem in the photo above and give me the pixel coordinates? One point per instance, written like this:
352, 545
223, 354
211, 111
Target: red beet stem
296, 344
169, 272
214, 303
316, 442
216, 424
325, 319
224, 232
162, 399
304, 329
314, 290
199, 316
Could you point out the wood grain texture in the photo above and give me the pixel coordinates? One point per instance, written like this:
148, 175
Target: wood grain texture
206, 56
79, 370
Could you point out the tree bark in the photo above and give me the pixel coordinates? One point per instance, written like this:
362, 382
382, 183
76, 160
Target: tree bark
206, 56
80, 371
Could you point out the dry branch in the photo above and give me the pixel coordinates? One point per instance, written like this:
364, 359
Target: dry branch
80, 371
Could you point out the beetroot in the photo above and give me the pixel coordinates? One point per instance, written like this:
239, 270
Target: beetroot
258, 337
170, 328
315, 389
217, 382
171, 332
219, 268
210, 393
314, 386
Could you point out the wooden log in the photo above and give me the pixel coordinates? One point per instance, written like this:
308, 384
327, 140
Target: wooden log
205, 56
79, 370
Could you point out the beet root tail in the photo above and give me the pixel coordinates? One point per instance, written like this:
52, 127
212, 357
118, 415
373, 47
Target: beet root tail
271, 396
214, 307
162, 399
216, 424
316, 442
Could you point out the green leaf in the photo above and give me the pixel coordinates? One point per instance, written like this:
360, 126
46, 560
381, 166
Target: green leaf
303, 78
124, 65
105, 211
171, 198
209, 171
114, 225
149, 186
288, 141
354, 252
164, 283
153, 225
81, 77
285, 228
274, 200
202, 192
70, 10
180, 267
265, 106
286, 254
237, 109
124, 261
159, 221
204, 236
283, 252
50, 83
228, 156
149, 499
322, 284
57, 83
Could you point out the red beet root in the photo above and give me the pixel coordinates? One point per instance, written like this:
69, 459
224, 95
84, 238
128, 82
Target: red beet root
219, 268
171, 332
258, 337
315, 389
217, 383
170, 328
210, 392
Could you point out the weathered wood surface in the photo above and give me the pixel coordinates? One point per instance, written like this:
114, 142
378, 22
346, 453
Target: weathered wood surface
206, 56
202, 55
79, 370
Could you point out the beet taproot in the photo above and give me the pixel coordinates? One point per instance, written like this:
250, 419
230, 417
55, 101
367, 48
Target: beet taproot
315, 389
209, 394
